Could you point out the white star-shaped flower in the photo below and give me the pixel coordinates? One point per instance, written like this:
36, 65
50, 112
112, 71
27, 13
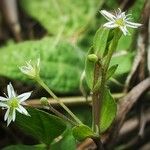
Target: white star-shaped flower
32, 70
119, 20
12, 102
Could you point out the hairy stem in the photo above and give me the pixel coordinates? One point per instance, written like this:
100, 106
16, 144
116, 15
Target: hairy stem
57, 113
57, 99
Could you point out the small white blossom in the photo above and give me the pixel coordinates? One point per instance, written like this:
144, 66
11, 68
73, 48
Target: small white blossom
32, 70
12, 102
119, 20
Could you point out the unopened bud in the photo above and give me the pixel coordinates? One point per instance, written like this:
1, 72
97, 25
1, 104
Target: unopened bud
44, 101
92, 57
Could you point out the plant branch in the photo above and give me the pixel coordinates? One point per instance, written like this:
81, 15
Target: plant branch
57, 99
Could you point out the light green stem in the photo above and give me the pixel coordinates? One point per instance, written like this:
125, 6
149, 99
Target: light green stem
57, 99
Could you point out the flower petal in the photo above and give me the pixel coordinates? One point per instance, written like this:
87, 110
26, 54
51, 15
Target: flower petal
132, 24
3, 98
23, 110
24, 96
10, 90
6, 114
3, 105
107, 15
13, 114
124, 30
110, 24
9, 119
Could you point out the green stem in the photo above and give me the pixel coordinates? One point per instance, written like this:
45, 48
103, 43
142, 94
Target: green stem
98, 95
61, 115
95, 100
57, 99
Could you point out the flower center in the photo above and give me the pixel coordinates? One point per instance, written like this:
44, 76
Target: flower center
120, 22
13, 103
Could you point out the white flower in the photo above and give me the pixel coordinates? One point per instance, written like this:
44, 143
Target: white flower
12, 102
119, 20
31, 70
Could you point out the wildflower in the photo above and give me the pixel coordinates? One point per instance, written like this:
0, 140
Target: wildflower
12, 102
32, 70
119, 20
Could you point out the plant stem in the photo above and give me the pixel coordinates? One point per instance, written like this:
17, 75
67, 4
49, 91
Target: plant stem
95, 100
101, 69
57, 99
61, 115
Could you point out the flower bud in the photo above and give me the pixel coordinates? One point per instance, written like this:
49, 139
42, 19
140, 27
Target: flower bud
92, 57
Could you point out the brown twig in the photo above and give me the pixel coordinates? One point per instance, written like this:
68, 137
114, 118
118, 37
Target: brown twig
69, 101
10, 13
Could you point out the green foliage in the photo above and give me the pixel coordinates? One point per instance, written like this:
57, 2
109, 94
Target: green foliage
41, 125
61, 64
124, 59
108, 111
72, 16
25, 147
67, 141
82, 132
100, 41
111, 71
89, 69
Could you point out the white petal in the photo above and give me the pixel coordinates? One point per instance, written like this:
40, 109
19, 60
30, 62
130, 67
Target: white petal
24, 96
23, 110
124, 30
132, 24
9, 119
10, 90
13, 114
24, 69
3, 105
110, 24
6, 114
107, 15
3, 98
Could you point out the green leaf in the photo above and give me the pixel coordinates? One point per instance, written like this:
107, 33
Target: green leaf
100, 41
67, 141
111, 71
61, 64
25, 147
82, 132
41, 125
67, 16
89, 70
108, 111
124, 59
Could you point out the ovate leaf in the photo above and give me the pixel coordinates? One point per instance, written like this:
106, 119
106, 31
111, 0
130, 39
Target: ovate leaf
61, 64
67, 16
124, 59
81, 132
67, 141
111, 71
41, 125
108, 111
100, 41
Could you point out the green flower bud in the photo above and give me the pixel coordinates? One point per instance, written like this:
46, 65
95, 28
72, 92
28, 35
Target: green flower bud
44, 101
92, 57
